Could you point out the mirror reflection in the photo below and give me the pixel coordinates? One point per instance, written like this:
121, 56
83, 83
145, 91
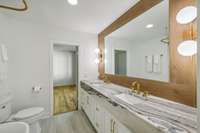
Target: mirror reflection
140, 48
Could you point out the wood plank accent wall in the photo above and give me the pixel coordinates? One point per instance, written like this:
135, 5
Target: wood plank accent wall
182, 87
176, 92
182, 69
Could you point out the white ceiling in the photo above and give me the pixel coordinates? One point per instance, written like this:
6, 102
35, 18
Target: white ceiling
136, 31
90, 16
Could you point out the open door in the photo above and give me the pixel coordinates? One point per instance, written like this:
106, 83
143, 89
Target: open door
120, 62
65, 78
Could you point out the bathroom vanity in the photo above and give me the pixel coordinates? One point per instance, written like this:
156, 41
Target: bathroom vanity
115, 109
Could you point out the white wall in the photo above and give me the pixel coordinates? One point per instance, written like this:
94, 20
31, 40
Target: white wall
29, 47
64, 71
198, 71
112, 44
136, 52
145, 48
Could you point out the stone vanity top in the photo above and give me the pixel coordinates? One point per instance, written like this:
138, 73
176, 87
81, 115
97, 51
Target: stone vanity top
158, 114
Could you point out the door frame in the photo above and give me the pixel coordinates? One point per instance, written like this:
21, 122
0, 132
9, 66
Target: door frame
51, 97
119, 50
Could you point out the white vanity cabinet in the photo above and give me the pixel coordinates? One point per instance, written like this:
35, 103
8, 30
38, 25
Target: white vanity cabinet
108, 122
82, 99
88, 105
120, 128
101, 119
112, 125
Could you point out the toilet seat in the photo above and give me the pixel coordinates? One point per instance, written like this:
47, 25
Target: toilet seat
27, 113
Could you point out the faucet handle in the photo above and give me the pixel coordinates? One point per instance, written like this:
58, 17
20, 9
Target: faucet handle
138, 91
106, 80
133, 89
145, 94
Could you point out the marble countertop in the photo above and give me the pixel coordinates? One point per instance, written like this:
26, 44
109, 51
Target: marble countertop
160, 115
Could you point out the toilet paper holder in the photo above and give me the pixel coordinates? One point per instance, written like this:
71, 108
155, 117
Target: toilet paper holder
36, 89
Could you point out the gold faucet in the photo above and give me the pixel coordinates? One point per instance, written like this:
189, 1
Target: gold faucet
145, 94
106, 80
135, 87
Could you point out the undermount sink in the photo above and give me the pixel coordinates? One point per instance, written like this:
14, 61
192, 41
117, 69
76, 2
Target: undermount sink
14, 127
106, 91
129, 99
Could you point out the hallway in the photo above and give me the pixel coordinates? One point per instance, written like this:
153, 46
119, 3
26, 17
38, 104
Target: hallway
65, 99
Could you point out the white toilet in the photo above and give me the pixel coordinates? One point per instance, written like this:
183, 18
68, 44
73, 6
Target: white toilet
30, 115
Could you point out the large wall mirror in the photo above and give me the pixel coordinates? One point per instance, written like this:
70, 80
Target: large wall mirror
140, 48
142, 45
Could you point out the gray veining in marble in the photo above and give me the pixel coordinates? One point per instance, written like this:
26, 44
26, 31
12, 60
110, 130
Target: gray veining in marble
165, 115
74, 122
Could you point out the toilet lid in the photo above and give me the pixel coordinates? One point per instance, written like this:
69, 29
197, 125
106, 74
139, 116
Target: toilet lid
26, 113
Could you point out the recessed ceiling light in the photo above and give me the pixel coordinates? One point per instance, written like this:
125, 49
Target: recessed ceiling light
149, 26
73, 2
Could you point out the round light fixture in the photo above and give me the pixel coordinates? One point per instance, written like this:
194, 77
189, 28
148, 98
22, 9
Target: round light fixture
149, 26
105, 61
73, 2
186, 15
97, 51
187, 48
97, 61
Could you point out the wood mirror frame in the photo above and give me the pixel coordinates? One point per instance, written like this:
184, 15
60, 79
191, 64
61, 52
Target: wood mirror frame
182, 85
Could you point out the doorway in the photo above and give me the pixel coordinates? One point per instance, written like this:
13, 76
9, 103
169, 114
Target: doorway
120, 62
65, 78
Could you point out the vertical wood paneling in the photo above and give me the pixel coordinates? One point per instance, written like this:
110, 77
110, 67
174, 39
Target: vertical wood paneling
182, 69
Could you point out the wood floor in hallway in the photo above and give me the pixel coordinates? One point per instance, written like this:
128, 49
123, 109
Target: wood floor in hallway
65, 99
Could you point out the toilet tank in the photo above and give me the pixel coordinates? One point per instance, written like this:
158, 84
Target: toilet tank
5, 105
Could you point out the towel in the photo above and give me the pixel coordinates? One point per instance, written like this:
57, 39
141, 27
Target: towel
3, 62
148, 62
156, 63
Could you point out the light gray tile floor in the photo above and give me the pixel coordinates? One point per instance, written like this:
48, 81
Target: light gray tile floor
74, 122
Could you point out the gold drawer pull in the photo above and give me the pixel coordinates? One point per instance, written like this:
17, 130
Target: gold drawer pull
111, 127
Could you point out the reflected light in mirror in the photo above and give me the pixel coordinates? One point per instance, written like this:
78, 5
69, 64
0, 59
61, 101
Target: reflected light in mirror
97, 50
105, 51
105, 61
149, 26
73, 2
186, 15
187, 48
97, 61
